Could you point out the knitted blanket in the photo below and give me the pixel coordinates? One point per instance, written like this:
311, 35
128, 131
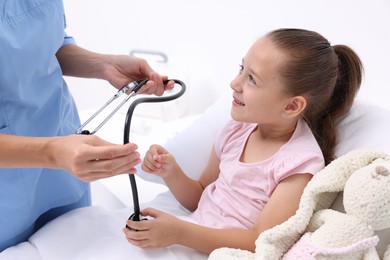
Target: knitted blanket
320, 193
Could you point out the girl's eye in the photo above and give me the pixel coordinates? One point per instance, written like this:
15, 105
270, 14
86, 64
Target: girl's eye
241, 68
251, 79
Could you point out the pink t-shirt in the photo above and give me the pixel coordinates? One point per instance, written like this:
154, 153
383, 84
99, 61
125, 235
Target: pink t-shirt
241, 191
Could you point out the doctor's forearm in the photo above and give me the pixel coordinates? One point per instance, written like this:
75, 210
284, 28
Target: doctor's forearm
24, 152
78, 62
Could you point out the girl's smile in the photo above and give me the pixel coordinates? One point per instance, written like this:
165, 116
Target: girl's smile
237, 102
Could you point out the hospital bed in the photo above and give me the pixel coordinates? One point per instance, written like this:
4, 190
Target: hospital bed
95, 232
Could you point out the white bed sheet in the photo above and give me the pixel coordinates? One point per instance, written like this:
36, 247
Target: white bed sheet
96, 233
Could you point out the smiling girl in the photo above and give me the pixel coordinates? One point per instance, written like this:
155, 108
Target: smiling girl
291, 89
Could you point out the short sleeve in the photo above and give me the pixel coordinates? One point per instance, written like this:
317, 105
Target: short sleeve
293, 164
68, 40
299, 163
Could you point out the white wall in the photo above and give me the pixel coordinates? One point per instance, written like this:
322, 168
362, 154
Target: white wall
205, 40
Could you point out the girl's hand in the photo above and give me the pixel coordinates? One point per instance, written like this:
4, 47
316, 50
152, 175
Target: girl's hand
161, 231
159, 162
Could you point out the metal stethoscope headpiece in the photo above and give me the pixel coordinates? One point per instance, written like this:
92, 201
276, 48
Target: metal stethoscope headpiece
134, 87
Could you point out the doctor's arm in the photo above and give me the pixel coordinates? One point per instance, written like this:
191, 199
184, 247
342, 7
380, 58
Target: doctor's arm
118, 70
87, 157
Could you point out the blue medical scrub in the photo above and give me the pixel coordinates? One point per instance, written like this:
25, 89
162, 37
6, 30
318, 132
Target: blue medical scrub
34, 101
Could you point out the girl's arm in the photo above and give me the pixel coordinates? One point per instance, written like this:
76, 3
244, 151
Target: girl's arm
165, 230
283, 202
186, 190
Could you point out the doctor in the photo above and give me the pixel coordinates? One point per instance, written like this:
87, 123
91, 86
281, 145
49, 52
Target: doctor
44, 167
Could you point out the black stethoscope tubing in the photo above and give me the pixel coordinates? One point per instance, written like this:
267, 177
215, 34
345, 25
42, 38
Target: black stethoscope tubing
134, 87
126, 137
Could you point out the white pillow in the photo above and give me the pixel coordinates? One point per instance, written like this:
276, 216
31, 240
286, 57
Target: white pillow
365, 126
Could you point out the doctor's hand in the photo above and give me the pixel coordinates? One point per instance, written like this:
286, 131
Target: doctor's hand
90, 158
161, 231
119, 70
160, 162
123, 69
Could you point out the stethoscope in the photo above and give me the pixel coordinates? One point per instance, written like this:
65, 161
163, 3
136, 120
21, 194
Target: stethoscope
134, 86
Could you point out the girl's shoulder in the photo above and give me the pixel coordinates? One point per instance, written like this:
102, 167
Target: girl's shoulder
301, 154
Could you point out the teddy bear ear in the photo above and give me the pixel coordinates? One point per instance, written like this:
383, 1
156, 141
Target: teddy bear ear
381, 170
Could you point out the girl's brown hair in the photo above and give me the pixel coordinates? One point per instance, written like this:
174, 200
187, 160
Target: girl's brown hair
329, 77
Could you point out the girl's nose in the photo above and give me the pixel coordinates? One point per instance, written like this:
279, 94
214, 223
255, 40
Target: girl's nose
235, 84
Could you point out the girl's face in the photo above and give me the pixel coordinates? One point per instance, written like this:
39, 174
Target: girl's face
259, 95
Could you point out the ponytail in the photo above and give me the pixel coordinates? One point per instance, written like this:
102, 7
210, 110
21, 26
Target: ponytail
350, 70
348, 81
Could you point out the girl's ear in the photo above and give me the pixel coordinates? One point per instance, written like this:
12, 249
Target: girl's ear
295, 106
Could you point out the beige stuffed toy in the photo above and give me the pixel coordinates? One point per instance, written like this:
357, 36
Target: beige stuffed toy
318, 232
386, 256
332, 234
